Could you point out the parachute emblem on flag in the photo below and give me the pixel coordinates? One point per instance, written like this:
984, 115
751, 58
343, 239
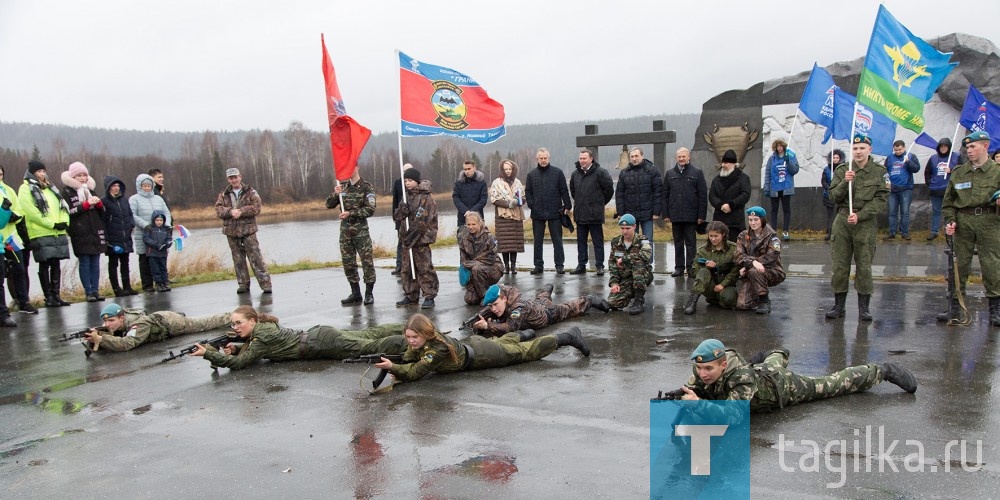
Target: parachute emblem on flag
449, 106
904, 68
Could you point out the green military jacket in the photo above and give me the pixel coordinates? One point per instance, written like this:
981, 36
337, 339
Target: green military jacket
639, 254
870, 189
137, 329
359, 200
267, 340
970, 188
741, 381
725, 273
434, 356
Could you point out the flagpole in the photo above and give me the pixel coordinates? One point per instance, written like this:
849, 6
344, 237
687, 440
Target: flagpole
795, 119
850, 163
402, 181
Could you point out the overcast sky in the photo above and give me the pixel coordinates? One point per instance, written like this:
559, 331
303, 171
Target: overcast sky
184, 65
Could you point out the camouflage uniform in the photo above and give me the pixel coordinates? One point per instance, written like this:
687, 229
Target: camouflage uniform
140, 328
242, 234
535, 314
871, 192
765, 248
478, 253
359, 200
270, 341
724, 273
967, 203
634, 274
435, 356
770, 385
421, 212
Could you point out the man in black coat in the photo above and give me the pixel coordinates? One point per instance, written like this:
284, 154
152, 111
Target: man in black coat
591, 187
638, 192
548, 198
729, 195
685, 202
469, 193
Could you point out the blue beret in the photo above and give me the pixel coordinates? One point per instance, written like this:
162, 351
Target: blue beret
757, 210
111, 310
976, 136
492, 294
862, 137
463, 275
709, 350
626, 220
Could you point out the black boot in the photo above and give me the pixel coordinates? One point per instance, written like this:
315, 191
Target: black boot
115, 286
506, 262
43, 278
513, 263
573, 337
546, 290
526, 334
354, 297
692, 304
891, 372
995, 311
863, 302
637, 305
839, 302
369, 297
764, 305
598, 302
54, 282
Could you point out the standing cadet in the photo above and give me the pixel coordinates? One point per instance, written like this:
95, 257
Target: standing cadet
971, 215
262, 337
854, 232
130, 328
722, 374
359, 205
715, 273
631, 268
418, 218
477, 250
509, 312
430, 351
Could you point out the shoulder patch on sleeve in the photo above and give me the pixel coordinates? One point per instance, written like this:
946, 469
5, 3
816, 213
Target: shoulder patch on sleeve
776, 243
516, 313
131, 331
370, 200
429, 357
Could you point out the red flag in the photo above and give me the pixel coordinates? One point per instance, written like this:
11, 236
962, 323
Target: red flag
347, 137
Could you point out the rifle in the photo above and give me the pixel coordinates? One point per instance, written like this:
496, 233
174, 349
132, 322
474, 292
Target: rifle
371, 359
679, 393
217, 342
962, 317
82, 334
485, 313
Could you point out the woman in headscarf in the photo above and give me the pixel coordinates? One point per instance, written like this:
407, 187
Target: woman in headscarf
507, 197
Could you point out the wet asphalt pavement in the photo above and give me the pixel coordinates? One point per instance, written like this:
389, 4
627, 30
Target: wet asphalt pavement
124, 425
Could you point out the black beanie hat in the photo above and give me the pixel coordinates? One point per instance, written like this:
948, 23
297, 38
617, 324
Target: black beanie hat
729, 156
35, 166
412, 173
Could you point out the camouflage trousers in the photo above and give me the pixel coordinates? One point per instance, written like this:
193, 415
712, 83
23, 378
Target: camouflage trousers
633, 282
481, 277
704, 284
754, 284
247, 248
508, 350
427, 278
558, 312
179, 324
855, 242
327, 342
355, 241
982, 231
781, 387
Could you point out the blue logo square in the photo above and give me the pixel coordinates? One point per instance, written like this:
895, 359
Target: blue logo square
699, 449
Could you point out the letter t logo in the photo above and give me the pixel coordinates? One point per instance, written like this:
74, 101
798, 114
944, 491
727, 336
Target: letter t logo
701, 449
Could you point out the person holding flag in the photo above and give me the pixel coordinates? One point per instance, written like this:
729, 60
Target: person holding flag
972, 215
860, 189
358, 202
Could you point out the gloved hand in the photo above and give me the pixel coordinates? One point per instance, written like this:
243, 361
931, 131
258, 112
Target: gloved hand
60, 226
403, 209
6, 204
14, 218
118, 250
411, 239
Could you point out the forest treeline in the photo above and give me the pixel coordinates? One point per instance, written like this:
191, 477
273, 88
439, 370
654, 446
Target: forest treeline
295, 163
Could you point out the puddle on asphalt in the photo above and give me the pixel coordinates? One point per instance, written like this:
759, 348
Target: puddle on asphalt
17, 449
